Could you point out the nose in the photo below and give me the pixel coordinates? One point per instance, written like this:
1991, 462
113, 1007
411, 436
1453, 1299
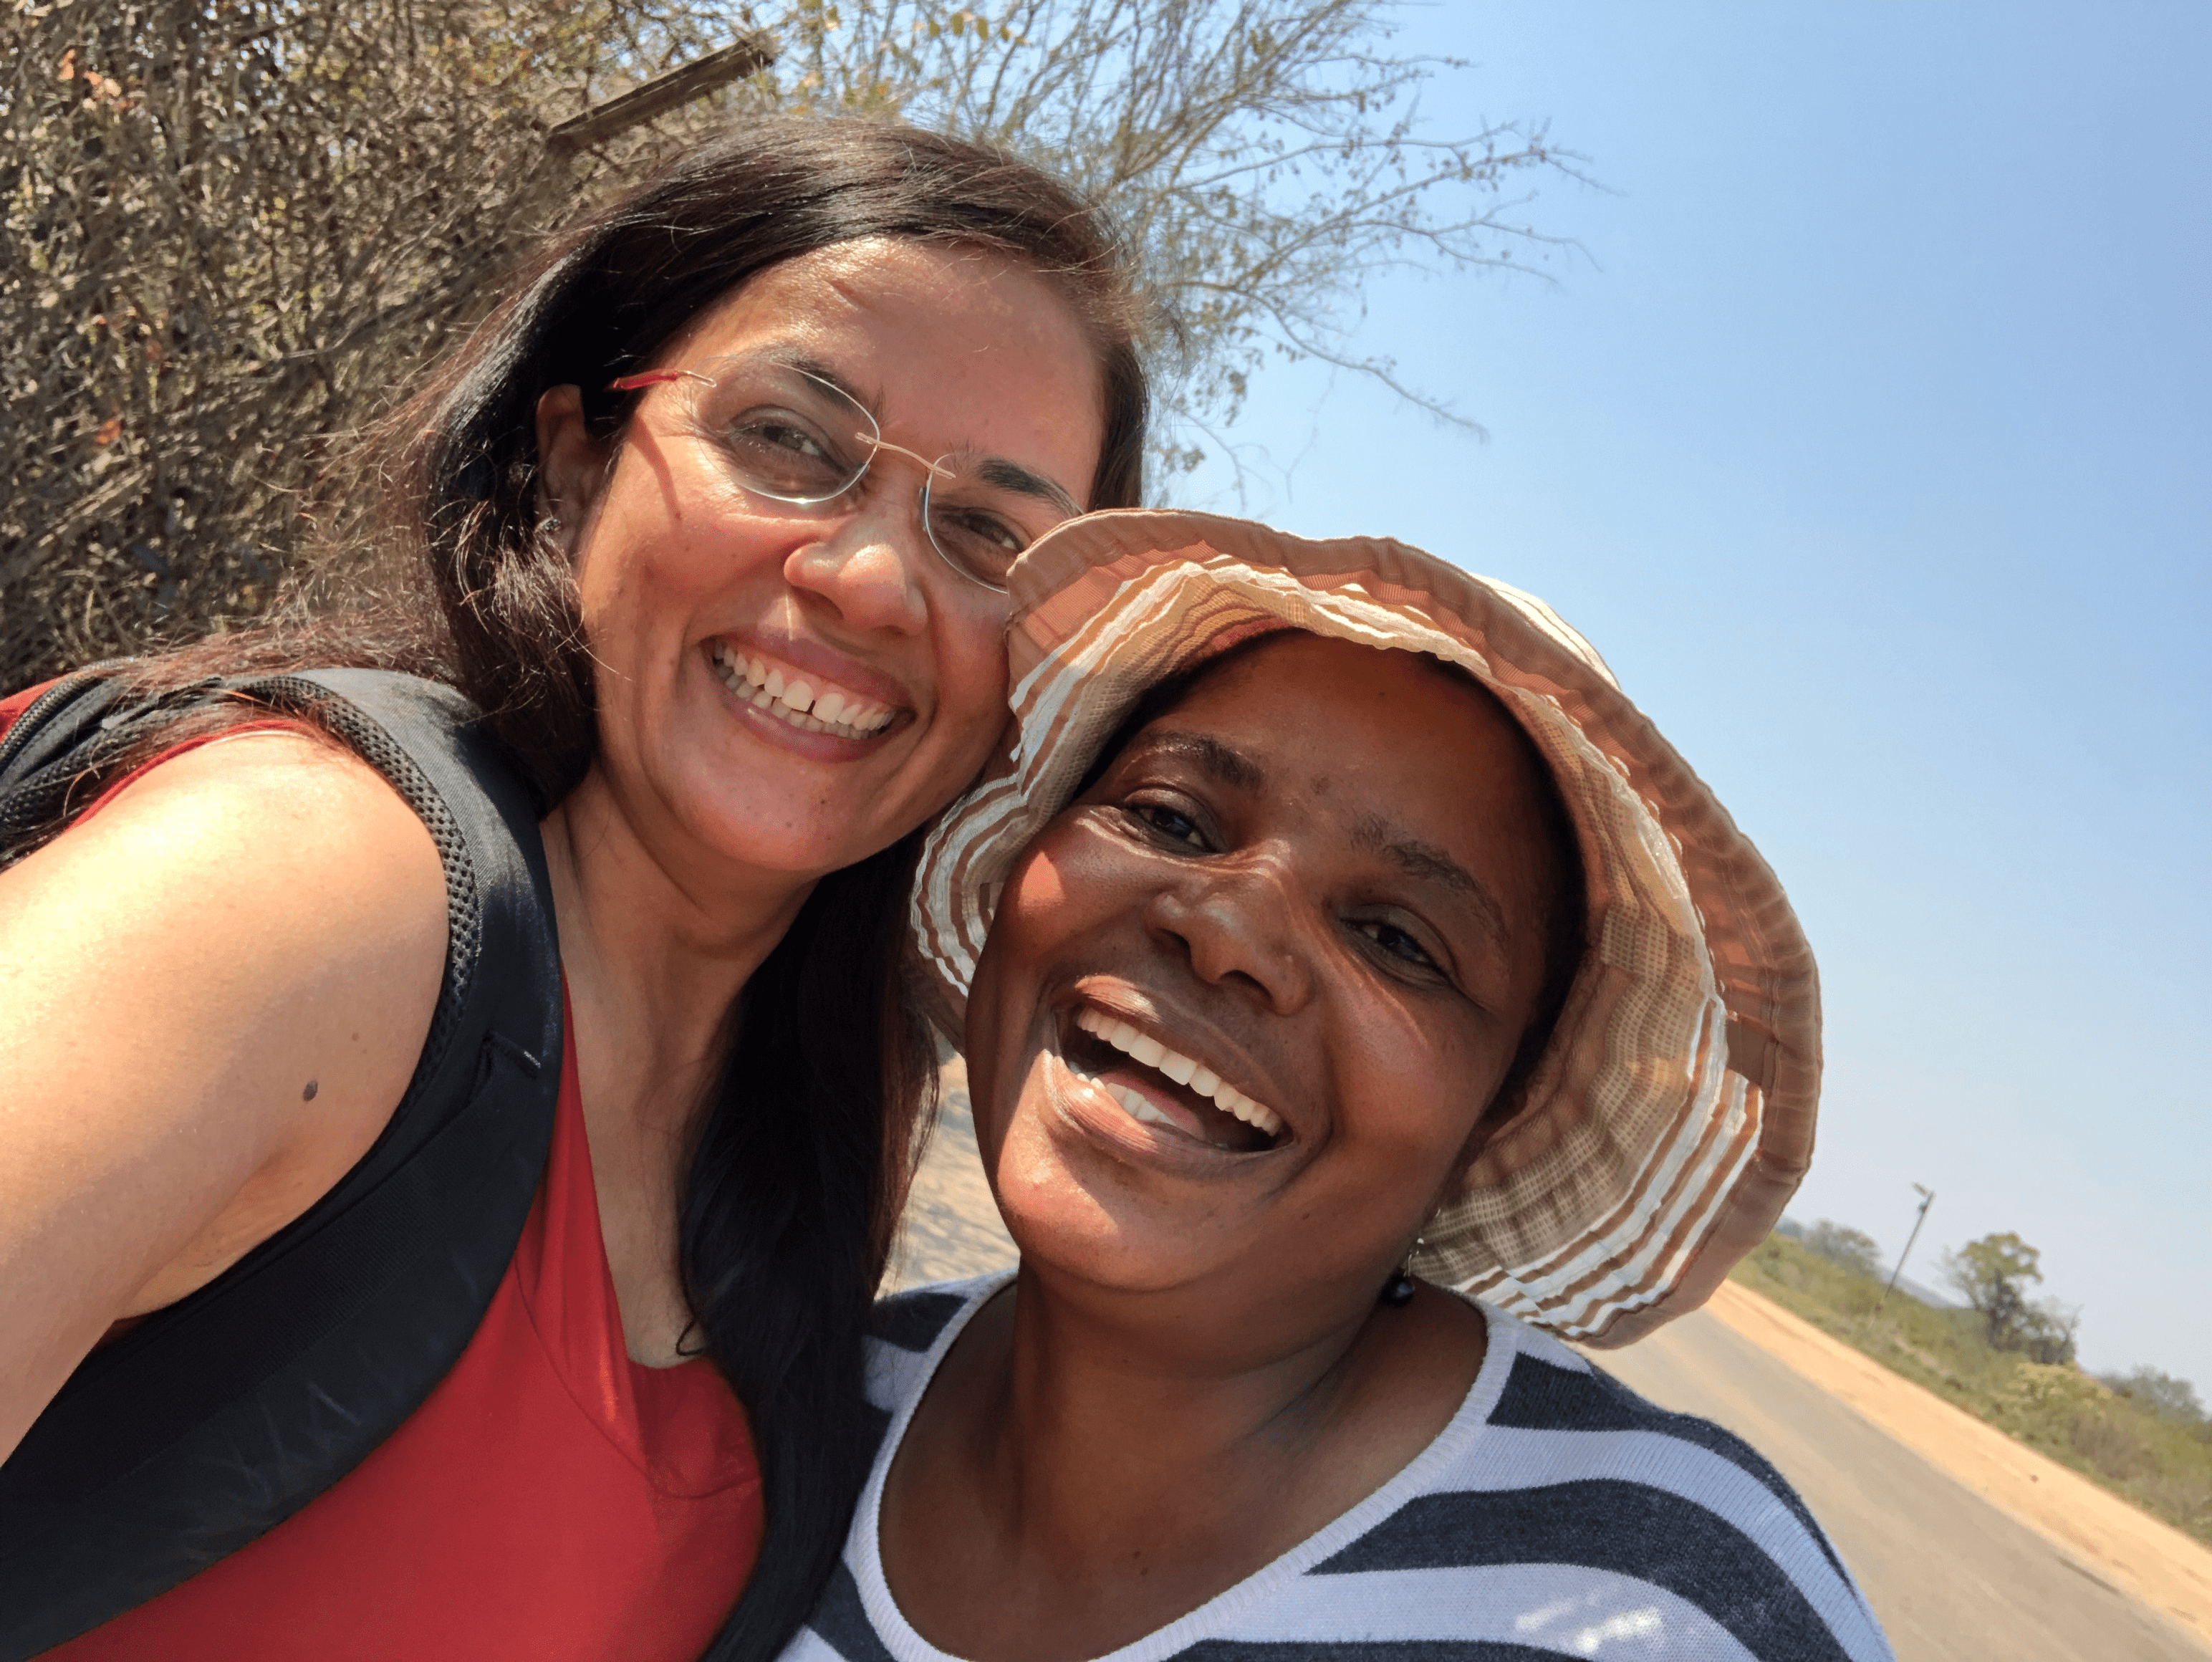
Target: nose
867, 565
1240, 927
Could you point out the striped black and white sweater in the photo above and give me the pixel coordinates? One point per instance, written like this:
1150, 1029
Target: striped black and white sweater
1558, 1514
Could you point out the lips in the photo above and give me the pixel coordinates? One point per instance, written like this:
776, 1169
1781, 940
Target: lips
1158, 1085
811, 704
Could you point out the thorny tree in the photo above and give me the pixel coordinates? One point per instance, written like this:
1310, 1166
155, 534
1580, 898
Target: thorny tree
234, 230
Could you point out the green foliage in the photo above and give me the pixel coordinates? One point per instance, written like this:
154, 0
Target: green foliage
1994, 1273
2160, 1394
2122, 1437
1852, 1249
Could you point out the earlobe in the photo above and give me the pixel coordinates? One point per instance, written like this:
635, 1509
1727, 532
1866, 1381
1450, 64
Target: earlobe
571, 463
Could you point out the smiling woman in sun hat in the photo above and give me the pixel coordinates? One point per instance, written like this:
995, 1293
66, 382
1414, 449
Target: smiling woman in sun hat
1675, 1115
1332, 931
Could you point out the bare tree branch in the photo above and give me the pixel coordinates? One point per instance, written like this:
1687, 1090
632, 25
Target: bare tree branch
233, 232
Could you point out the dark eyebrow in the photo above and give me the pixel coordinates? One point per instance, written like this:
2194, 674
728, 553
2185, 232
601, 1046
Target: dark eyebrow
1431, 864
997, 470
1013, 476
1216, 760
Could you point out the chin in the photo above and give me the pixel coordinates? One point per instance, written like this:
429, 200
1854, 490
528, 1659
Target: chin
1084, 1226
735, 829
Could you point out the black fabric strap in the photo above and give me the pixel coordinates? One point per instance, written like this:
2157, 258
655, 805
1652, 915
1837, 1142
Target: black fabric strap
222, 1415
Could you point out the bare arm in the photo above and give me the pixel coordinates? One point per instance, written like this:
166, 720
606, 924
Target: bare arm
212, 996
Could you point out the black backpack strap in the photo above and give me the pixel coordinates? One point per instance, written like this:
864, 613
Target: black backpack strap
68, 733
222, 1415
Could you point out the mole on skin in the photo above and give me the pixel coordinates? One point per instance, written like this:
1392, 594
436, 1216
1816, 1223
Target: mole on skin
308, 1095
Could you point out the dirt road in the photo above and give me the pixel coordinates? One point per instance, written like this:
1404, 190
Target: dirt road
1953, 1576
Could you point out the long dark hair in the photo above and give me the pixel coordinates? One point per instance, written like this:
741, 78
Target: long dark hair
807, 1142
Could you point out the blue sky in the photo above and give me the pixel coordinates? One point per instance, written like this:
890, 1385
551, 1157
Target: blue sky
1870, 445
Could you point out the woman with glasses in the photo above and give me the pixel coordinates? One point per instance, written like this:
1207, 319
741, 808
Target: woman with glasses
702, 540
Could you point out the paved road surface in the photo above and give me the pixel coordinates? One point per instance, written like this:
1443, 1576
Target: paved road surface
1953, 1579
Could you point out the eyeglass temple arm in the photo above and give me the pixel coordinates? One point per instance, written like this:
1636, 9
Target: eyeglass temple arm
655, 378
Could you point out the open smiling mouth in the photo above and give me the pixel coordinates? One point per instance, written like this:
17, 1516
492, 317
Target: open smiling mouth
1158, 1087
790, 696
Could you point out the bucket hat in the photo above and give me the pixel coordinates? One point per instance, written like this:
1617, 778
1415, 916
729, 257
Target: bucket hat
1671, 1116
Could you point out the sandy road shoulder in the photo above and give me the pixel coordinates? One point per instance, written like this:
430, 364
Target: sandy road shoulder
2128, 1549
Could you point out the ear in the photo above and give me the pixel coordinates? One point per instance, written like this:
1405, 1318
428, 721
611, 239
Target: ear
572, 464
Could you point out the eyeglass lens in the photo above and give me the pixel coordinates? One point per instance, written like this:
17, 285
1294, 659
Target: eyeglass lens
792, 437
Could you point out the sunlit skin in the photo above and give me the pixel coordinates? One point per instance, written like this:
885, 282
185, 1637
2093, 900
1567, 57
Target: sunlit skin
147, 1143
684, 854
1325, 874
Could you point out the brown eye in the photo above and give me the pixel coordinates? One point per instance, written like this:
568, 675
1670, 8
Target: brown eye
976, 540
784, 456
1396, 942
1175, 827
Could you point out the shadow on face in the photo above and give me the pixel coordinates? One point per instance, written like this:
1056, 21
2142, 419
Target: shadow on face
1245, 1001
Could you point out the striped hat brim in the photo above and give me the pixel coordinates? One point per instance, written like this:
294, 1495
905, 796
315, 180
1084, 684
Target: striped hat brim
1671, 1116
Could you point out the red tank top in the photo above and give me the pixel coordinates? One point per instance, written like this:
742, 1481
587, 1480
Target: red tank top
550, 1498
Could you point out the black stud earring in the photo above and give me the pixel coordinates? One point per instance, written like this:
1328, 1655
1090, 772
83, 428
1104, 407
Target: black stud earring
1398, 1291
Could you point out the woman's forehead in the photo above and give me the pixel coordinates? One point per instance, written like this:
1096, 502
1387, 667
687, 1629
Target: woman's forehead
1374, 697
1396, 740
849, 288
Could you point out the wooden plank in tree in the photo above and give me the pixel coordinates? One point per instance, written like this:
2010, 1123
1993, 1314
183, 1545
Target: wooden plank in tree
743, 56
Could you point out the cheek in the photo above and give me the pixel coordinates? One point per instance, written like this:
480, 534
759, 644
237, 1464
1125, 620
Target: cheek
1409, 1090
1052, 906
966, 642
1027, 927
661, 544
1072, 879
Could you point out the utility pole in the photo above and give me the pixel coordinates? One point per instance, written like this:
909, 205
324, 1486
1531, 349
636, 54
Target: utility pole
1927, 1200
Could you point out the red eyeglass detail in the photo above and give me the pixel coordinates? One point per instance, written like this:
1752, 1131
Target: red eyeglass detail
645, 378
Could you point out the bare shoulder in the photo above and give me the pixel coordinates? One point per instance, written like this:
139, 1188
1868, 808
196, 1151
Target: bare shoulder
265, 849
215, 991
267, 899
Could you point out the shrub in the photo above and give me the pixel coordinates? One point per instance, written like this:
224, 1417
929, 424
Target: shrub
1852, 1249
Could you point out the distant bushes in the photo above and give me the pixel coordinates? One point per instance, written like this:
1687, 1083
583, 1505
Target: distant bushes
1850, 1249
2143, 1434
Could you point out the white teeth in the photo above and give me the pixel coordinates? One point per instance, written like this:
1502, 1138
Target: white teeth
764, 685
1144, 1049
1139, 1104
